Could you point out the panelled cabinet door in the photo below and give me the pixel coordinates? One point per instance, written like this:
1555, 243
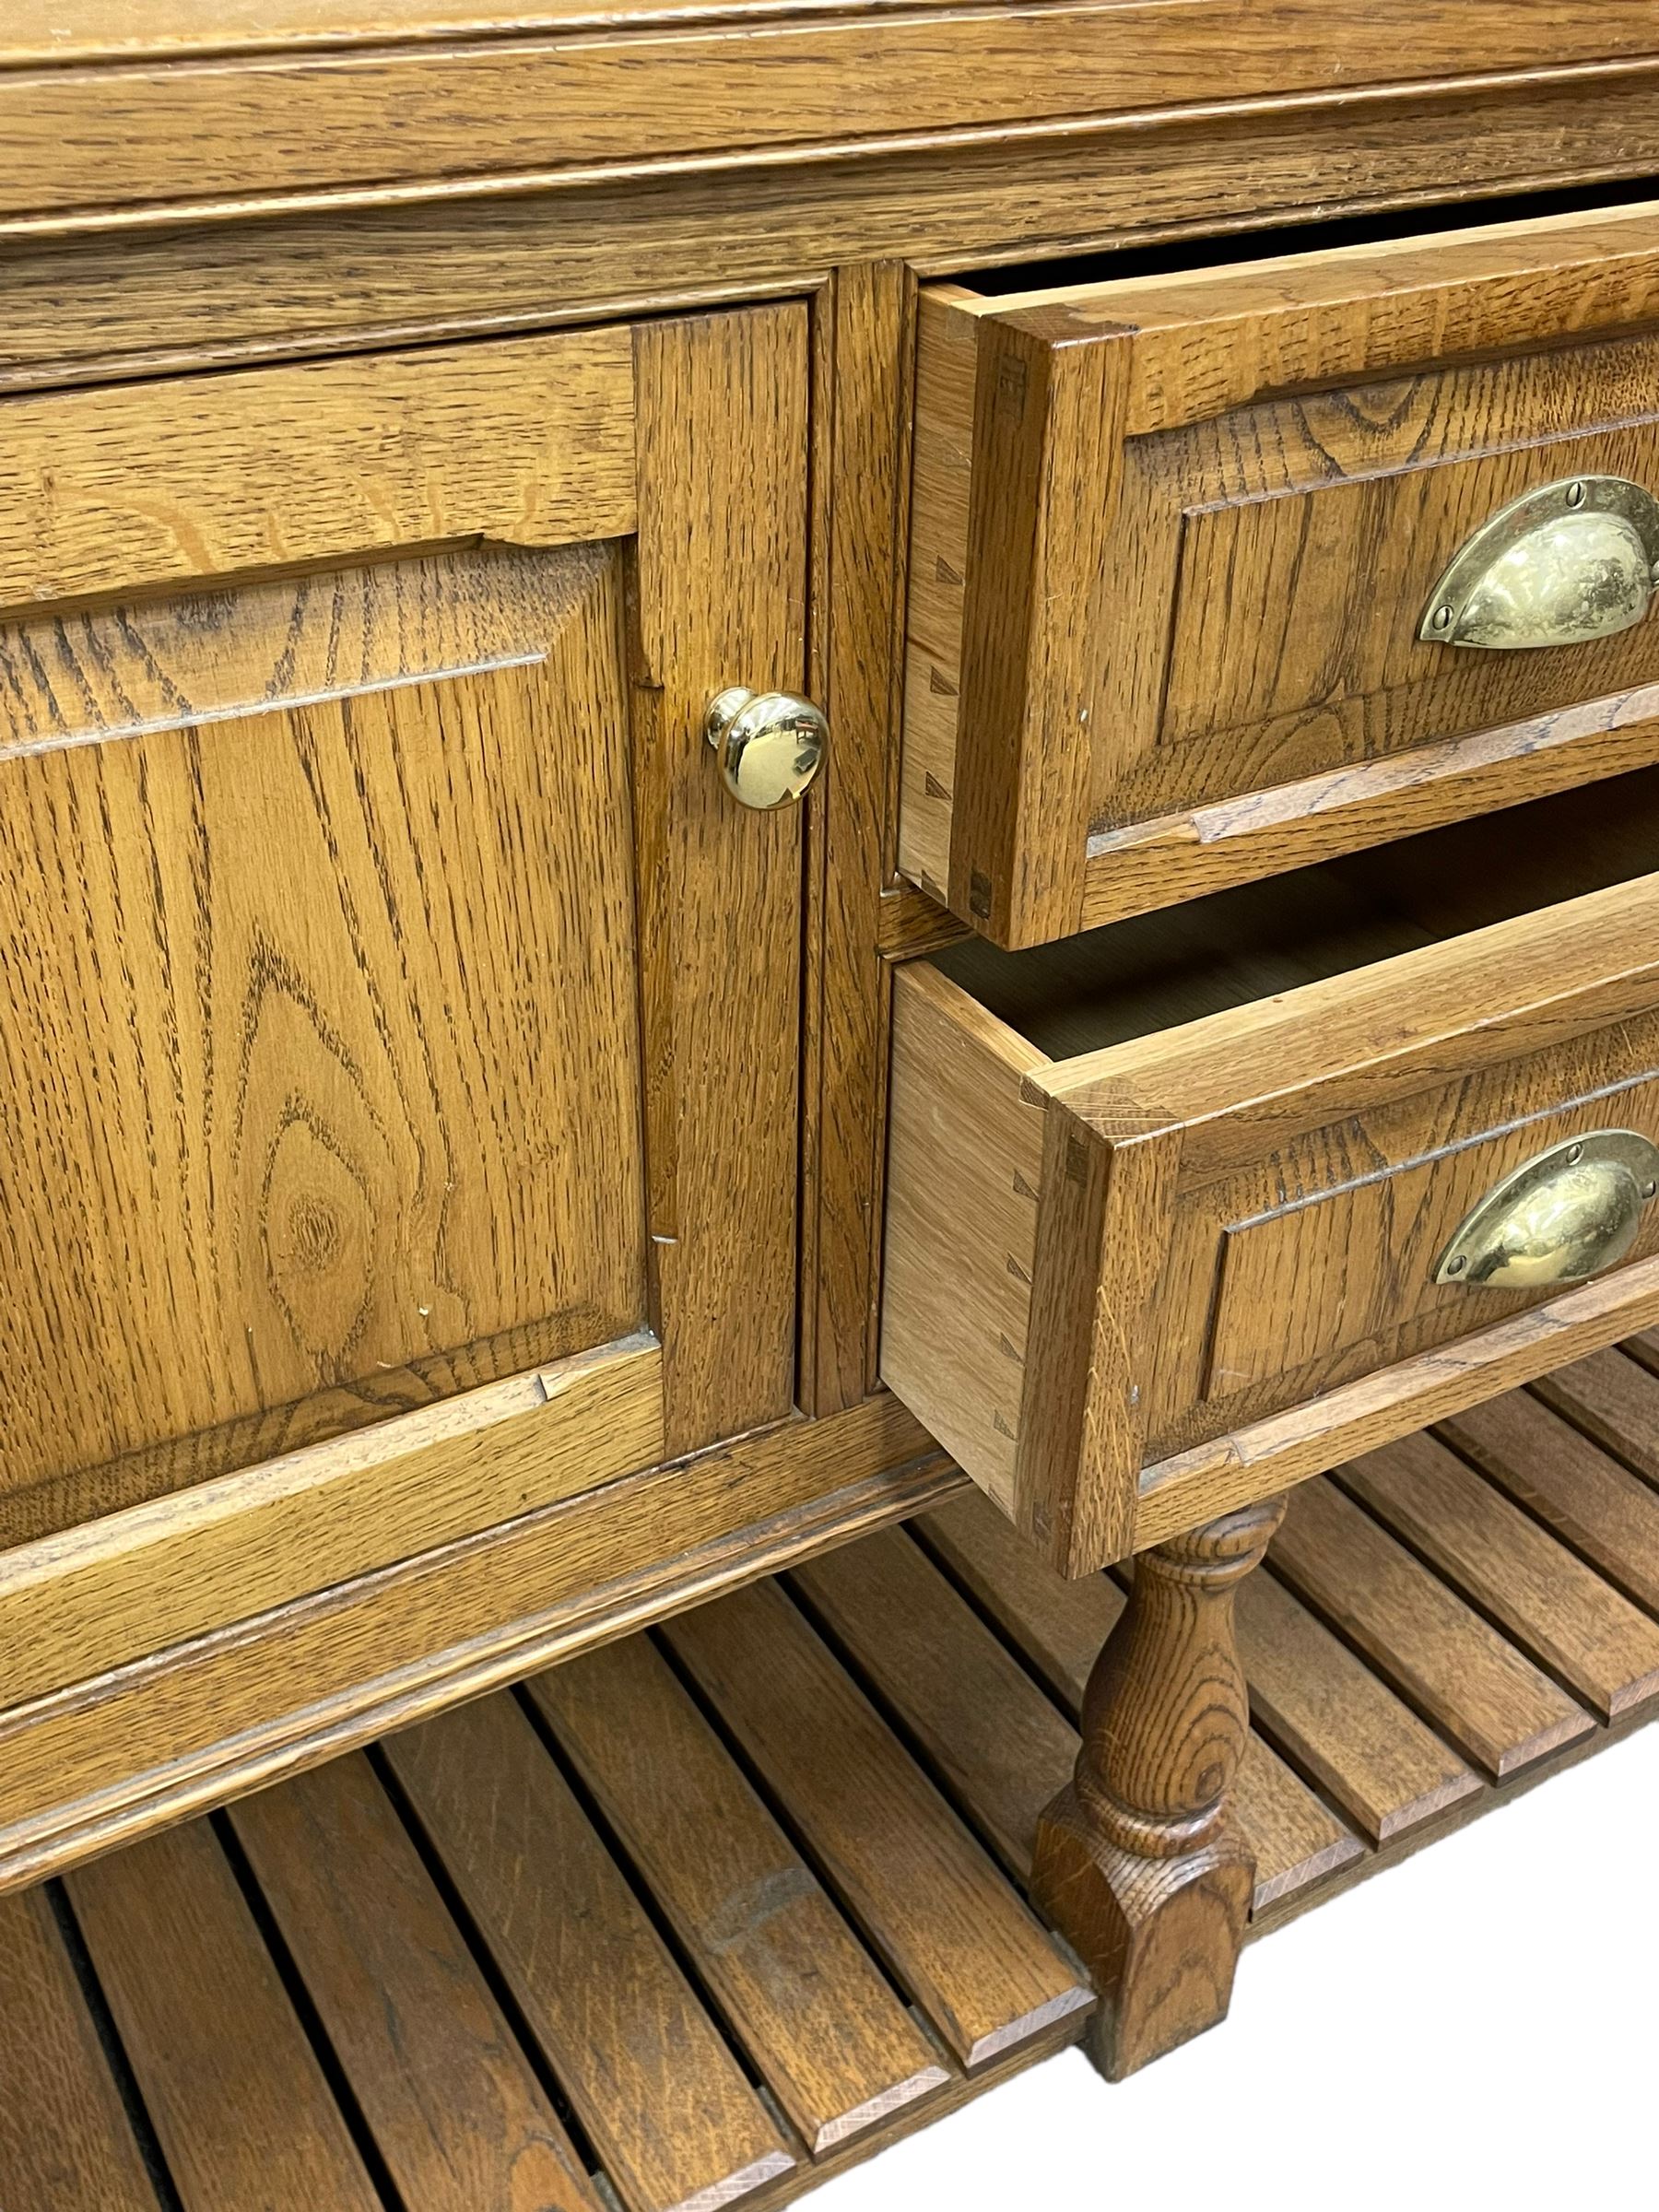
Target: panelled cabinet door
399, 1019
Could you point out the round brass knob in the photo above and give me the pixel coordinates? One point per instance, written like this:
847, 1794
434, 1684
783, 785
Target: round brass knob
770, 744
1560, 1217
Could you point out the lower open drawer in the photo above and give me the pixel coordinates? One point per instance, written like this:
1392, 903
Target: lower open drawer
1173, 1209
704, 1915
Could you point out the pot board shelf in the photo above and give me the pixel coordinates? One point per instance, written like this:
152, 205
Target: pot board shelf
713, 1913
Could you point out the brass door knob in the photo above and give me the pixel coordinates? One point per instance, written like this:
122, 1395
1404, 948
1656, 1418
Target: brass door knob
1561, 1218
770, 744
1561, 565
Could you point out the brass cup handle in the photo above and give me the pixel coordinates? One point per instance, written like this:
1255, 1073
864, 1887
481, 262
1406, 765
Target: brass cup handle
770, 744
1560, 1217
1563, 564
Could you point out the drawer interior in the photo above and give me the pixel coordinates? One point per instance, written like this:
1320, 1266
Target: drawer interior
1262, 239
1153, 973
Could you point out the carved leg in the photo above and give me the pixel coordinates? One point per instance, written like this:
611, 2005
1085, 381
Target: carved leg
1137, 1861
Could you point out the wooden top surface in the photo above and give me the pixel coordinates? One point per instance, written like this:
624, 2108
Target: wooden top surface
196, 106
36, 32
1478, 33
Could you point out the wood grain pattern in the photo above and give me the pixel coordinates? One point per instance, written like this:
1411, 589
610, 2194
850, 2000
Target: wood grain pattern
1337, 1723
1059, 1628
479, 258
147, 133
1280, 549
676, 2124
232, 2086
75, 1606
984, 1724
861, 419
1234, 1218
815, 2017
257, 1166
109, 1760
1556, 1608
959, 1251
404, 2004
1360, 1416
721, 600
530, 441
1140, 1861
1612, 1398
1595, 1506
65, 2140
911, 1875
1441, 1657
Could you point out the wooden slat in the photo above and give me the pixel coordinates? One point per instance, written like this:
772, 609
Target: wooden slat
455, 2108
1605, 1649
1060, 1627
1643, 1348
814, 2013
1329, 1714
918, 1884
1599, 1507
122, 1587
1613, 1397
985, 1725
665, 2104
65, 2142
529, 442
234, 2088
1441, 1657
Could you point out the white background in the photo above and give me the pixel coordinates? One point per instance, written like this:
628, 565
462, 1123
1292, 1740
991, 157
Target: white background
1476, 2028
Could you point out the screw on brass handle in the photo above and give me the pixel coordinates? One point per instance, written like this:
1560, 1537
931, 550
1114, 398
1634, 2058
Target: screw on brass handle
770, 744
1561, 1218
1561, 565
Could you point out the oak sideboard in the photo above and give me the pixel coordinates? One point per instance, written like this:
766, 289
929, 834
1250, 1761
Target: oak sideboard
775, 774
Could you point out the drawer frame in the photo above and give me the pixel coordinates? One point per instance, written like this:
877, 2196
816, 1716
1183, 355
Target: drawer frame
1028, 409
1021, 1299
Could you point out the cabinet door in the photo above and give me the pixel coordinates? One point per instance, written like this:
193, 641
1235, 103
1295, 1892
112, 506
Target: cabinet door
397, 1016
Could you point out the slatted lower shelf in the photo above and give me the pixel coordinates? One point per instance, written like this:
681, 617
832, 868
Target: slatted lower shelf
705, 1915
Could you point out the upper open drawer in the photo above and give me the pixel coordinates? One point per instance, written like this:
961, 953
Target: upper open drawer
1180, 546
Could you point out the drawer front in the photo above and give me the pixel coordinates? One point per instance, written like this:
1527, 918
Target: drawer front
1132, 1289
1173, 540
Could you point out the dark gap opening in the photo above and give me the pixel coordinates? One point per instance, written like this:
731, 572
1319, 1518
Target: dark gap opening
310, 2018
1176, 256
114, 2050
495, 1980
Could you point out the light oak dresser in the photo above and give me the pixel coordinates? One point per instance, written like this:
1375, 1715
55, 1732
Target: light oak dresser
776, 774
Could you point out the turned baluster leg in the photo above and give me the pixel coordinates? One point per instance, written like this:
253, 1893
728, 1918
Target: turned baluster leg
1137, 1861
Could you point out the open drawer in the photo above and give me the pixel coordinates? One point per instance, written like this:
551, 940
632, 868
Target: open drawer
1180, 613
1197, 1205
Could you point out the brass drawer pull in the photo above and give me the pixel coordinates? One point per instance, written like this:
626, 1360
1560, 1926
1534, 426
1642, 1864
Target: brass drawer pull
1561, 1218
770, 744
1560, 565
